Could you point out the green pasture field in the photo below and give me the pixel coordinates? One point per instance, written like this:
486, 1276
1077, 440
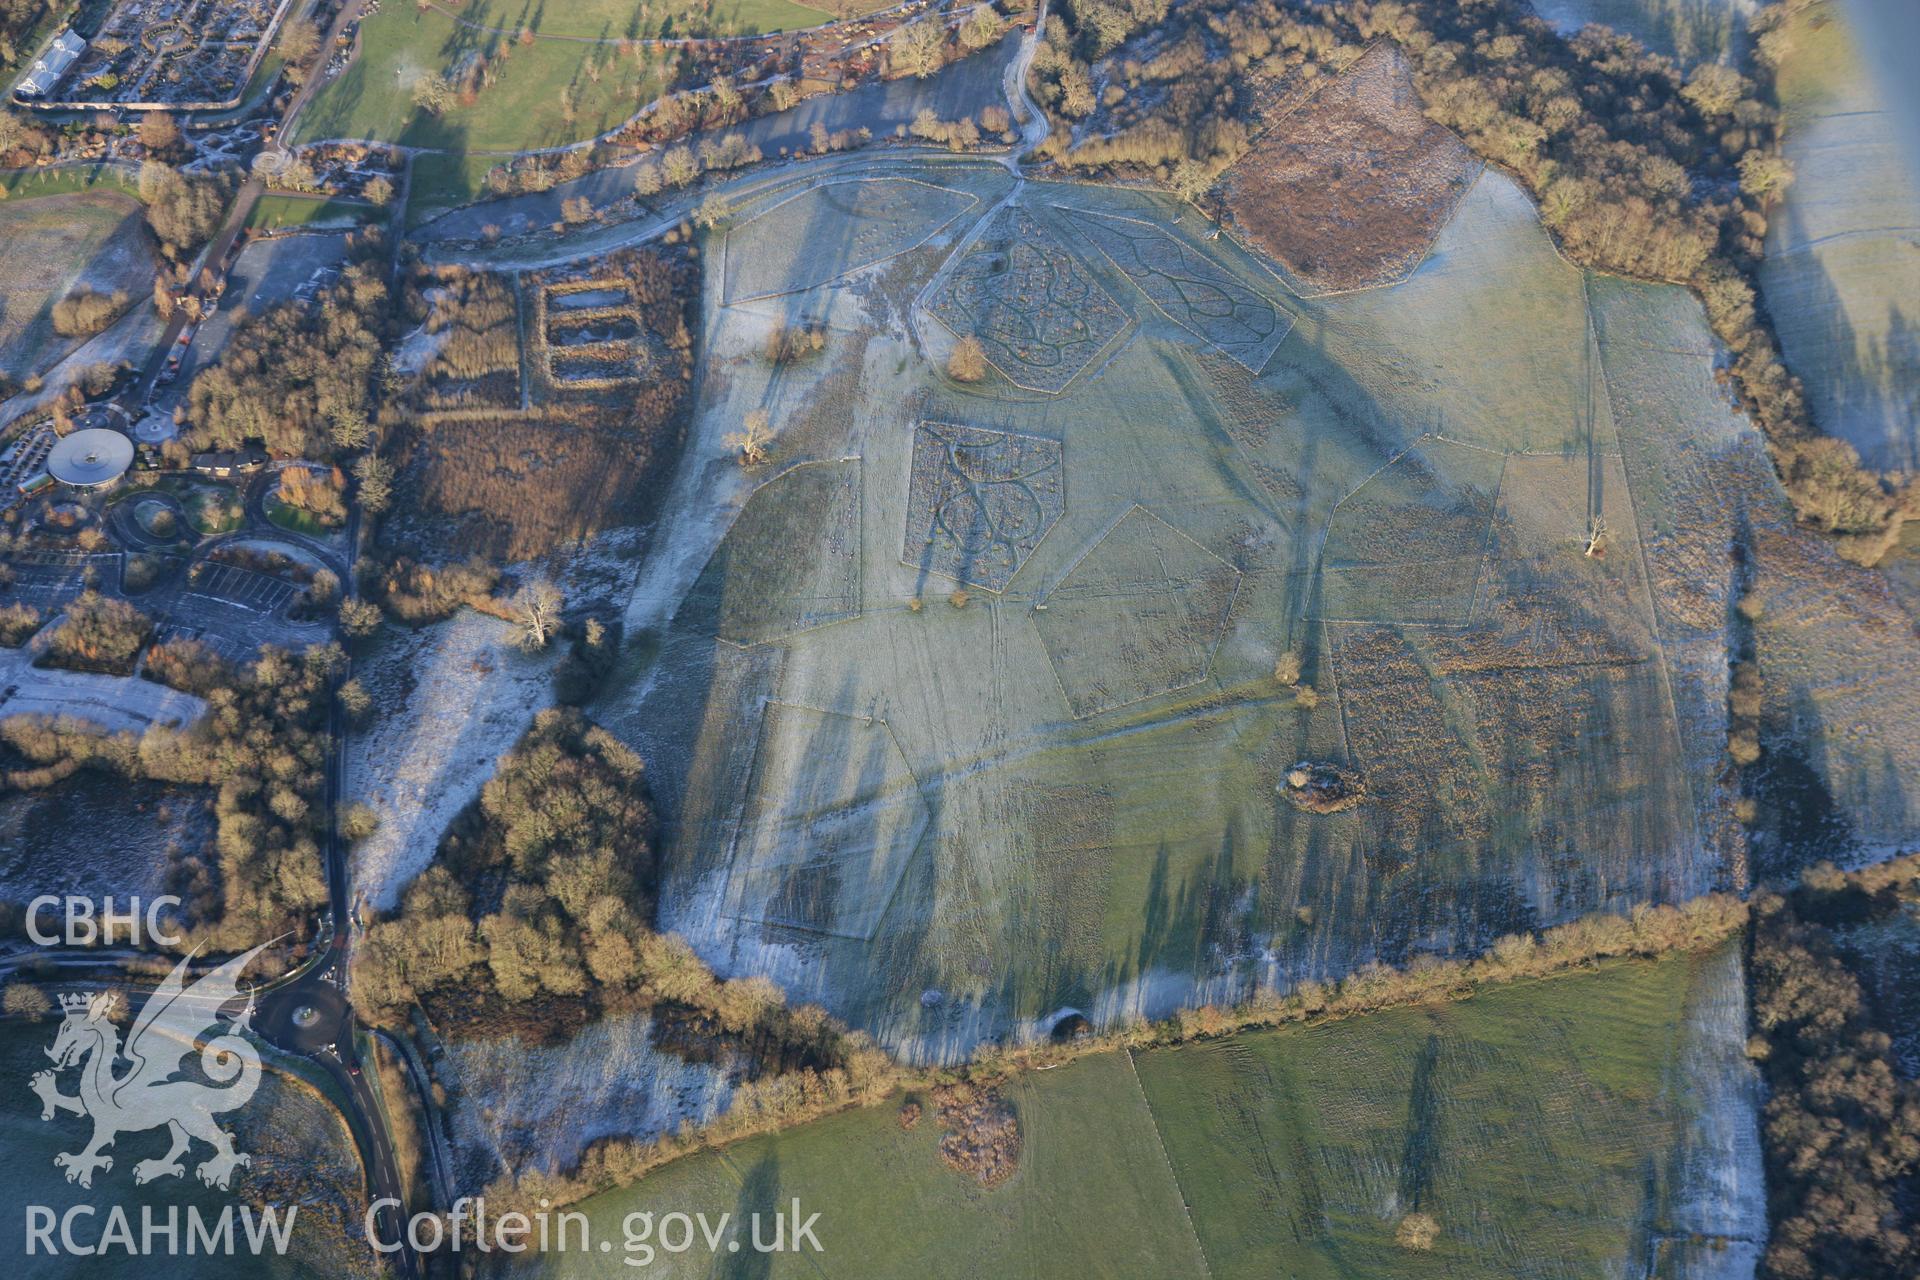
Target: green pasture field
278, 212
1093, 1195
373, 98
25, 184
615, 20
1540, 1125
1536, 1124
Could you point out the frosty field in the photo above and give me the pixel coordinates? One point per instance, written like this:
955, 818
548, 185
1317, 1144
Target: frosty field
417, 770
1843, 249
1079, 680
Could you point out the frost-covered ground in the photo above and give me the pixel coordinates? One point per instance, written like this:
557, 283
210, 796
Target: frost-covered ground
1718, 1209
1843, 248
1687, 30
544, 1105
130, 339
113, 702
98, 834
448, 701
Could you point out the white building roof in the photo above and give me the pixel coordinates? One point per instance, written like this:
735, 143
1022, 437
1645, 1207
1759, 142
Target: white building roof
51, 65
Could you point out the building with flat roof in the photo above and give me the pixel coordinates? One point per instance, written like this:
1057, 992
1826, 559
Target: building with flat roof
90, 459
47, 69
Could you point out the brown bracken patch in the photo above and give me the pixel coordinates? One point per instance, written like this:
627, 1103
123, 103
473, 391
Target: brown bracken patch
1349, 190
983, 1135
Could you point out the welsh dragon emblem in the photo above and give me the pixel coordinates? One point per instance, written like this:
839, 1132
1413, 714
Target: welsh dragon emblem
154, 1089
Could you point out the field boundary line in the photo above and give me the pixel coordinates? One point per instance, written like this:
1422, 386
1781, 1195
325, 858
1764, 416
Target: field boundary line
1646, 572
1213, 650
1486, 542
1458, 443
1339, 694
1206, 1264
860, 608
520, 323
738, 911
1319, 569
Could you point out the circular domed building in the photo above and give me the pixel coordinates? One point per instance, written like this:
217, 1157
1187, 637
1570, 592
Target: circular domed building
91, 459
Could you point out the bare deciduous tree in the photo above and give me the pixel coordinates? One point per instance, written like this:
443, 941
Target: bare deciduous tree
918, 48
537, 607
968, 360
756, 431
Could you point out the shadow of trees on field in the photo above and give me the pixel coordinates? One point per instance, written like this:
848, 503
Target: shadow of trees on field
757, 1204
1866, 391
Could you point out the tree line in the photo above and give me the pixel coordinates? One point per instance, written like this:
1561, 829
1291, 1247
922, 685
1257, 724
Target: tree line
867, 1075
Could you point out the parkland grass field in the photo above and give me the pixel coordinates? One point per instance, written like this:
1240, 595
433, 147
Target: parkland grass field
51, 246
615, 20
545, 93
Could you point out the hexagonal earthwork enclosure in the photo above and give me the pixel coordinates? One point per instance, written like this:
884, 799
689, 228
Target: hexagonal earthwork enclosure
833, 816
1194, 292
1138, 615
1407, 546
1037, 310
980, 501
